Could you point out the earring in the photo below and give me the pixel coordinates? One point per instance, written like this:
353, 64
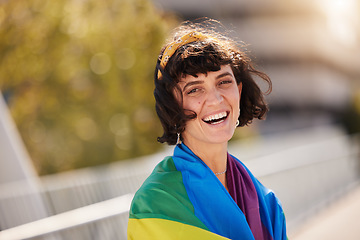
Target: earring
178, 141
238, 122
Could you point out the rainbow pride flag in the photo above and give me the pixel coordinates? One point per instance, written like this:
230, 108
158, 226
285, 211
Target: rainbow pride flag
183, 199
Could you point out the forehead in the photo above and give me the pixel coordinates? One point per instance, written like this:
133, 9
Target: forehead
225, 70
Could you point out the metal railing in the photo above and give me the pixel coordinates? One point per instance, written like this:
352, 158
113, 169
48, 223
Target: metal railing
304, 174
72, 219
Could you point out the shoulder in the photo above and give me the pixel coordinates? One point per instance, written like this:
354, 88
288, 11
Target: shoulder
165, 177
267, 197
163, 196
260, 188
271, 211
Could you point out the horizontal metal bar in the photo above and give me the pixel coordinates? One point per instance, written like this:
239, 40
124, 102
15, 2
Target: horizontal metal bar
87, 214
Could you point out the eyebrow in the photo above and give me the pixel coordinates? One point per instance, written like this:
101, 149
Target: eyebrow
189, 84
224, 75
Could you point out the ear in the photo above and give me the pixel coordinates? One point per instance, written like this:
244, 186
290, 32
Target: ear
240, 88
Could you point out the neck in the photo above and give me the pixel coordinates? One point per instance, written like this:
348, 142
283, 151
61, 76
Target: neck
213, 155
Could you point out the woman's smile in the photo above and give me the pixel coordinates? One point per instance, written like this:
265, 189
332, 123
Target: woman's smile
216, 118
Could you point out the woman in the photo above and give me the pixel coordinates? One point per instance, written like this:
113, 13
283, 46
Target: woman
204, 89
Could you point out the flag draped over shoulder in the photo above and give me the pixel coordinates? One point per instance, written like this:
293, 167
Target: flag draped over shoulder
183, 199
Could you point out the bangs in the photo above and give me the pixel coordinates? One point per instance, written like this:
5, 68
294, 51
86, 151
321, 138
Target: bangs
197, 58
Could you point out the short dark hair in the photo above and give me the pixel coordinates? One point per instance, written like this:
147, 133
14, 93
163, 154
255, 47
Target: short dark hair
201, 57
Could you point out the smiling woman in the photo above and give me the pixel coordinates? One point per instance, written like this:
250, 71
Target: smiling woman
204, 90
214, 98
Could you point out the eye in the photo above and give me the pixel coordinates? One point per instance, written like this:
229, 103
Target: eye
192, 91
225, 82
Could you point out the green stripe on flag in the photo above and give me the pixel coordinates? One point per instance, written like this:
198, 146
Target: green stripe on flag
164, 196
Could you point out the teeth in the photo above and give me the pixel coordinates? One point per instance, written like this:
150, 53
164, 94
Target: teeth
215, 117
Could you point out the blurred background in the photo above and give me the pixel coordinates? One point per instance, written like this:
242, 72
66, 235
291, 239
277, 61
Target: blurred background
78, 126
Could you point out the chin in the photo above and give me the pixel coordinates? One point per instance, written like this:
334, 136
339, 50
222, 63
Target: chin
218, 139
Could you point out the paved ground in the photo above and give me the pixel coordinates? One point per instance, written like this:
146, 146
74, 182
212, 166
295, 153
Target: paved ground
340, 221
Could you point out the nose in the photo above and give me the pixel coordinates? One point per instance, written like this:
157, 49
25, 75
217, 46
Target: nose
214, 97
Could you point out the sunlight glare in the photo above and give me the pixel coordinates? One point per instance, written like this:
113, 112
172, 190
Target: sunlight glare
341, 19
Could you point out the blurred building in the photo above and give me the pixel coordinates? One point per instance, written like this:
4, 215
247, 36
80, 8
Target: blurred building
310, 50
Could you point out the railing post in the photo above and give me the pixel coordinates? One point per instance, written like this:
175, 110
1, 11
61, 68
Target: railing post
16, 169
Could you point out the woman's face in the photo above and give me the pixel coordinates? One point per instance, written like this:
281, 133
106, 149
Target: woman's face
215, 98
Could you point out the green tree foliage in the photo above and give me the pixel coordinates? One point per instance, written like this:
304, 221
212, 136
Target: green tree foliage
78, 78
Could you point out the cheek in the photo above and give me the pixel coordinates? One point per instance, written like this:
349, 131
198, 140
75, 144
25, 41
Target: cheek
236, 100
192, 104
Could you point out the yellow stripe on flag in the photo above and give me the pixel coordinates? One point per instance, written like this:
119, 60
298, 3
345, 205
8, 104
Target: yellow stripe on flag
162, 229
